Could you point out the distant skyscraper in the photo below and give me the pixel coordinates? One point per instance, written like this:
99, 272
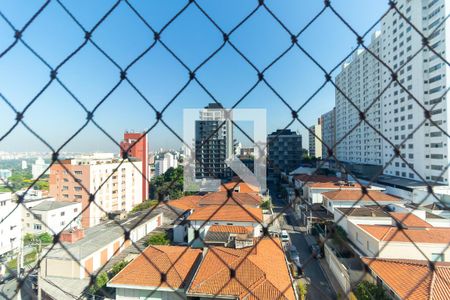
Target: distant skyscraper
315, 143
328, 132
139, 151
284, 151
213, 145
24, 164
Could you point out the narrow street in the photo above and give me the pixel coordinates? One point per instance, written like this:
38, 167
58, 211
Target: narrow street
320, 287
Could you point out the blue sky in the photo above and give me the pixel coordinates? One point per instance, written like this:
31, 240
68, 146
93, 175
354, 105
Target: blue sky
158, 75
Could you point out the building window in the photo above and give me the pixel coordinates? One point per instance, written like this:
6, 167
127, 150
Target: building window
37, 226
437, 256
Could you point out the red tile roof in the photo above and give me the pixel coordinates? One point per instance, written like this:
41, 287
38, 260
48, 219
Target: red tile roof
236, 198
242, 186
433, 235
232, 213
334, 185
409, 220
355, 195
186, 202
230, 229
260, 272
216, 198
145, 270
413, 279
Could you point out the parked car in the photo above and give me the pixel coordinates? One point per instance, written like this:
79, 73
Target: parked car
284, 236
293, 254
315, 250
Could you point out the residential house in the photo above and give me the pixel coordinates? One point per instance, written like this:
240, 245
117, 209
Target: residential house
356, 198
259, 272
410, 279
203, 218
160, 272
408, 237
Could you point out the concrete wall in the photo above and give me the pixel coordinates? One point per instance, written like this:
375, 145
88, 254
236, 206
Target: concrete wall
340, 272
136, 294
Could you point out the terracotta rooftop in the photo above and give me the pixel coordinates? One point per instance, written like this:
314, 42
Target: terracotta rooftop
413, 279
216, 198
234, 213
355, 195
334, 185
236, 198
230, 229
145, 270
260, 272
242, 186
433, 235
409, 220
186, 202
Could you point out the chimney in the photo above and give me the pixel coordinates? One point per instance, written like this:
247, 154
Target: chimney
71, 236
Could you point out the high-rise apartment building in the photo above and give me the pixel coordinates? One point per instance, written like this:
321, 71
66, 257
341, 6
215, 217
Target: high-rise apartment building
315, 137
117, 191
213, 145
425, 78
359, 83
421, 76
139, 149
284, 151
328, 132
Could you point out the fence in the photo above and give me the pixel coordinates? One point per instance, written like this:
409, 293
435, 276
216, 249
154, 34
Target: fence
362, 114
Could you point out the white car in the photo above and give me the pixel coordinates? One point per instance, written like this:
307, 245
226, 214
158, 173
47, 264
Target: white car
284, 236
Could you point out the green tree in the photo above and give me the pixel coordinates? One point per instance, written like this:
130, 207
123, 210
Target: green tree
366, 290
168, 184
265, 204
100, 282
117, 268
46, 238
159, 238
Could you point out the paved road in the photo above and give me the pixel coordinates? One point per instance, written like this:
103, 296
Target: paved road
319, 288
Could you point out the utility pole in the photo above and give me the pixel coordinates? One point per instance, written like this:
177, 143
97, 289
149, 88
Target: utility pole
19, 269
38, 279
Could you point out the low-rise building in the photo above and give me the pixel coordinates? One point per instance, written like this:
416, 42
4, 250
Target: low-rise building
160, 272
201, 219
259, 272
409, 279
52, 217
356, 198
80, 256
9, 224
409, 237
